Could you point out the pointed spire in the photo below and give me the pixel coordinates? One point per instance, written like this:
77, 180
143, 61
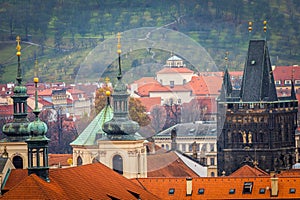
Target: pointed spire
19, 72
226, 80
293, 93
119, 51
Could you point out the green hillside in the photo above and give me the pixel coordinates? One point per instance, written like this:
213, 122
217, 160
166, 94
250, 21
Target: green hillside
61, 33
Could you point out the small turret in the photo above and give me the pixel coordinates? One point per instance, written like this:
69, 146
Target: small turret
38, 142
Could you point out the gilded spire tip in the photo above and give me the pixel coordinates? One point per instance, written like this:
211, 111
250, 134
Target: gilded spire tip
18, 40
119, 43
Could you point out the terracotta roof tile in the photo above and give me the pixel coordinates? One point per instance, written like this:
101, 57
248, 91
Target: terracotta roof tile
167, 165
172, 70
59, 159
247, 171
93, 181
150, 102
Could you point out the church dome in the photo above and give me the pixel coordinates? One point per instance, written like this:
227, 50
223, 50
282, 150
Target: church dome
20, 89
37, 128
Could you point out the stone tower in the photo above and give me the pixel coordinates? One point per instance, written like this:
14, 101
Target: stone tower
255, 126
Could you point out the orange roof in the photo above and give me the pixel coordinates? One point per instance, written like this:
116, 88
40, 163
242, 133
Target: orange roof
286, 73
247, 171
59, 159
206, 85
6, 110
156, 87
93, 181
167, 165
145, 80
150, 102
171, 70
219, 187
46, 92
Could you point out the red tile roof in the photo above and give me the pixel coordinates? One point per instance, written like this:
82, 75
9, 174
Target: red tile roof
145, 80
93, 181
150, 102
219, 187
247, 171
167, 165
169, 70
46, 92
283, 73
6, 110
59, 159
206, 85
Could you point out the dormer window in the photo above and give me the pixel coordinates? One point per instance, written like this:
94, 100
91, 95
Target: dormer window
247, 187
287, 82
297, 82
292, 190
277, 82
232, 191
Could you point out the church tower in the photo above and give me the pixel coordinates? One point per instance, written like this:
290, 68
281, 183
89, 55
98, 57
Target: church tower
256, 127
122, 148
17, 130
38, 142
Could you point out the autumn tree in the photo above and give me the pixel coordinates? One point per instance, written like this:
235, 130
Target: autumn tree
101, 98
137, 112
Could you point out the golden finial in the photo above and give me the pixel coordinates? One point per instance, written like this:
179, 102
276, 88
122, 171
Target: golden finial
265, 26
36, 68
119, 43
226, 55
249, 26
107, 80
18, 40
107, 93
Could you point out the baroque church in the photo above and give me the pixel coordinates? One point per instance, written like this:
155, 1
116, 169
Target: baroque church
112, 138
255, 126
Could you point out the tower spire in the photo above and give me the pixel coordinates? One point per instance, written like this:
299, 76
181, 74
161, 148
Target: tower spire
38, 142
17, 129
119, 51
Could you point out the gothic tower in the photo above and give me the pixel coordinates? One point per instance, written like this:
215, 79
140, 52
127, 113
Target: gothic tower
17, 130
256, 127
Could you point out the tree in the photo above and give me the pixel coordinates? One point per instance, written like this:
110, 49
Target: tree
137, 112
193, 111
158, 118
101, 98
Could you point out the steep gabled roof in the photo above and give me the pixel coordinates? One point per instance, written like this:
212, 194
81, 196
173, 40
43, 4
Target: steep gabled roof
247, 171
168, 164
88, 136
258, 81
92, 181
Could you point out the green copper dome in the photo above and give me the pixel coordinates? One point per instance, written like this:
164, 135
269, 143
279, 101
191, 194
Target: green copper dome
20, 89
37, 128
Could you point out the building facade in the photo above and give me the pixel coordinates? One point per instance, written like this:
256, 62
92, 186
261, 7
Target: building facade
255, 126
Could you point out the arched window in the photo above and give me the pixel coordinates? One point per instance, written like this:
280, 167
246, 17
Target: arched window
118, 164
79, 161
18, 162
212, 174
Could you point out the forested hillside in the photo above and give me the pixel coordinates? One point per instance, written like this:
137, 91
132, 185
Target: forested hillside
62, 32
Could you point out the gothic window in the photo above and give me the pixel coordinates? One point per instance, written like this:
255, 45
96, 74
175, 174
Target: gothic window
118, 164
167, 147
79, 161
18, 162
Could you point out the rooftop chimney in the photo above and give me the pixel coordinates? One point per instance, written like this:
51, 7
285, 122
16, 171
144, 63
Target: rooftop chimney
189, 186
274, 186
